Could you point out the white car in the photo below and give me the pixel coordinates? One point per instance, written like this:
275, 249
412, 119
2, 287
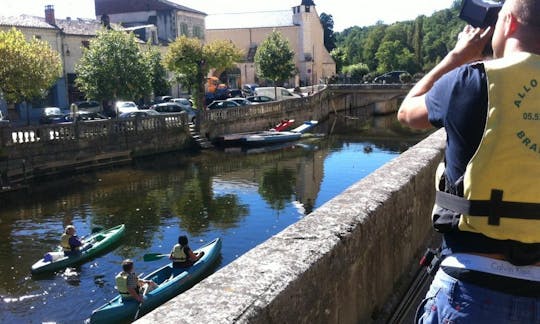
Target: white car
125, 106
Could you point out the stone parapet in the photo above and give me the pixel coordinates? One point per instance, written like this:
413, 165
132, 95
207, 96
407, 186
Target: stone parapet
342, 263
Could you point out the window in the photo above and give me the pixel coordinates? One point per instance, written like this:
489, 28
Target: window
308, 8
85, 43
184, 29
197, 32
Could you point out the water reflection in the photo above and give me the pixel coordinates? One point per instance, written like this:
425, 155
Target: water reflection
243, 197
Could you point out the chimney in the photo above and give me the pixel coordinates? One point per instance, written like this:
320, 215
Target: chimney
49, 15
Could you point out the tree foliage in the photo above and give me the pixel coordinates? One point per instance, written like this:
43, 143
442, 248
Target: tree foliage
114, 67
160, 85
414, 46
191, 60
27, 68
274, 58
327, 22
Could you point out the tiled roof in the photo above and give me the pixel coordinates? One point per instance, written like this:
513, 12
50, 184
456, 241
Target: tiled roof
24, 21
78, 26
260, 19
123, 6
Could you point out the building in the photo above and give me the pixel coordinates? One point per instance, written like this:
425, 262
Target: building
171, 19
301, 26
68, 37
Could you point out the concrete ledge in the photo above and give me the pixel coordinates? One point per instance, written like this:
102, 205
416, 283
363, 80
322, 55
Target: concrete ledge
340, 264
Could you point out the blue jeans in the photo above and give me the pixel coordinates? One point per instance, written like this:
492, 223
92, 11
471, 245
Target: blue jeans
452, 301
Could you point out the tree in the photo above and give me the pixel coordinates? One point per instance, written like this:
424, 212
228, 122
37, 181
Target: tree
191, 60
113, 67
27, 68
327, 22
159, 83
274, 59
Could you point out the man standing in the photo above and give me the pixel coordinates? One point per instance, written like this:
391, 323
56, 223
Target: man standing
488, 198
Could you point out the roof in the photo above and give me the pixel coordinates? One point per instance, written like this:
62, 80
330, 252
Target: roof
281, 18
124, 6
77, 26
24, 21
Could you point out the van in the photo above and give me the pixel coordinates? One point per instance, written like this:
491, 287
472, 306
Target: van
271, 92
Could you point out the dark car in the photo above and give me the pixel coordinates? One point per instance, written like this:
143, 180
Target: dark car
389, 77
83, 116
173, 107
259, 99
51, 115
220, 104
88, 105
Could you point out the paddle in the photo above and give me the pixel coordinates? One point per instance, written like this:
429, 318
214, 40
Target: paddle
154, 256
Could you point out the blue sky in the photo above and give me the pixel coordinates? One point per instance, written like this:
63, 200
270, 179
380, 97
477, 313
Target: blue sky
346, 13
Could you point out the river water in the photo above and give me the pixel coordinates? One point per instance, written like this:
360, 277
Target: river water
244, 197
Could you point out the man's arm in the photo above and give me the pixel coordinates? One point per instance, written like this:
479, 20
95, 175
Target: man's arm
413, 111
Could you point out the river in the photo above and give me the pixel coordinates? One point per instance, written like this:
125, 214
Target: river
242, 197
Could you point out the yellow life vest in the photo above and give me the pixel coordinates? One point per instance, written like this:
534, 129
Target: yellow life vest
178, 254
501, 188
121, 283
64, 242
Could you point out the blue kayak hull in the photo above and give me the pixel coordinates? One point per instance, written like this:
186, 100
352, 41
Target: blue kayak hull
171, 282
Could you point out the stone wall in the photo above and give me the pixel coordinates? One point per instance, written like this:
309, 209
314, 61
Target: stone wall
342, 263
35, 151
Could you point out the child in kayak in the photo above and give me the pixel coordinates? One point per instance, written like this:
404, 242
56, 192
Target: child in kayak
129, 285
70, 242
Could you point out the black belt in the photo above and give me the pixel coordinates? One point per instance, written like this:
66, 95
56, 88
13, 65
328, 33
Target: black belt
507, 285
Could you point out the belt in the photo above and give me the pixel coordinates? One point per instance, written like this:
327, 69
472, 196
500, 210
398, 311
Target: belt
493, 266
493, 274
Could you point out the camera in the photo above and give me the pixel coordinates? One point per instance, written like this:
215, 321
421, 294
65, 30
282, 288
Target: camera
480, 13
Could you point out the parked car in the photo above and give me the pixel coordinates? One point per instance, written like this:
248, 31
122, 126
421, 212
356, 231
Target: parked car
389, 77
161, 99
183, 102
220, 104
249, 88
173, 107
83, 116
3, 119
51, 115
139, 113
88, 105
240, 101
277, 93
121, 107
259, 99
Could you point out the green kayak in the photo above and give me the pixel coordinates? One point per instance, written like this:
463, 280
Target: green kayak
171, 282
100, 241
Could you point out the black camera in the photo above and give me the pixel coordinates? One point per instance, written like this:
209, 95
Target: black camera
480, 13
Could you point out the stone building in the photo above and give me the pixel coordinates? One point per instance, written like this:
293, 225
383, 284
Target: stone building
301, 26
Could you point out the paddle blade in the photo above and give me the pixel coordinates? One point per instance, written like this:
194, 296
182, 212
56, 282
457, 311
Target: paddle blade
153, 256
97, 229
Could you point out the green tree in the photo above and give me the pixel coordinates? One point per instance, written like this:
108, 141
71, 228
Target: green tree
274, 59
327, 22
191, 60
114, 67
356, 72
27, 68
159, 83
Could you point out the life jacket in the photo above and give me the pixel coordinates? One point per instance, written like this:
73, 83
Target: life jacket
178, 253
121, 283
64, 242
501, 197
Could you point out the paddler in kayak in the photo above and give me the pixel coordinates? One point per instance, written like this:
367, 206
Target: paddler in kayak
129, 285
182, 256
70, 242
